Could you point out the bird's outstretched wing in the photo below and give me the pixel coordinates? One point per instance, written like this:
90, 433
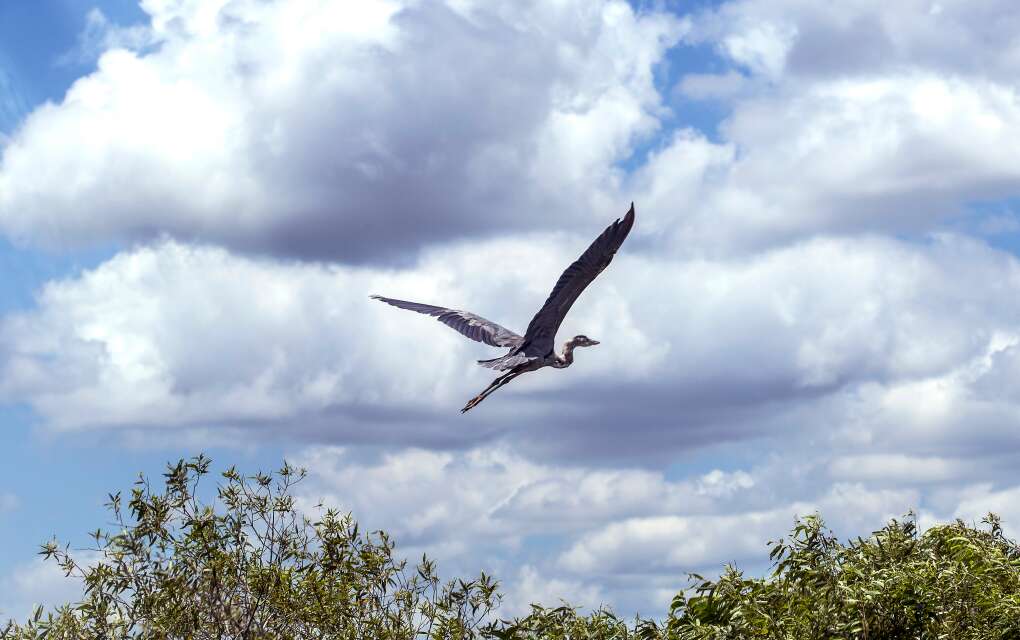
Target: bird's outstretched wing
540, 337
468, 324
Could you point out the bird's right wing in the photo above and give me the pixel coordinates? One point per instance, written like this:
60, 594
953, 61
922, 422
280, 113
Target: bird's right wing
540, 337
468, 324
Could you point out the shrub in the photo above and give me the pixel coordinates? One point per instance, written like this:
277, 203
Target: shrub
254, 568
953, 581
251, 565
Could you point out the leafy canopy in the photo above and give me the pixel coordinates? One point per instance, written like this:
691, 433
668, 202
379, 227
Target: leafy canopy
250, 564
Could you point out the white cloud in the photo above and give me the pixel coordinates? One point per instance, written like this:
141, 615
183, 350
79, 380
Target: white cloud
233, 134
172, 335
811, 41
316, 129
676, 544
846, 119
761, 47
895, 153
494, 510
899, 468
496, 496
531, 586
972, 501
979, 501
622, 537
37, 582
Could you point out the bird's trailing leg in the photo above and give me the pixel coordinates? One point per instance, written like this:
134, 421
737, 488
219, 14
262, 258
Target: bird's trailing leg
496, 384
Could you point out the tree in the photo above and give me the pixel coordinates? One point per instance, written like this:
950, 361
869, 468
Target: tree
952, 581
252, 568
252, 565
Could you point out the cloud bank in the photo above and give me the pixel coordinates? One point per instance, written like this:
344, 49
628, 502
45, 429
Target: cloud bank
357, 131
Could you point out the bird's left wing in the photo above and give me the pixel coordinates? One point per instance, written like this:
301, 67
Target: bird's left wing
541, 334
468, 324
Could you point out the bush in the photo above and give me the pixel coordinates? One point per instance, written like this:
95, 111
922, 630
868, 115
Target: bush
954, 581
255, 568
250, 565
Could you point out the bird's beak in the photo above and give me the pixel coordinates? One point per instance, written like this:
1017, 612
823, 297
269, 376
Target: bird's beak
595, 342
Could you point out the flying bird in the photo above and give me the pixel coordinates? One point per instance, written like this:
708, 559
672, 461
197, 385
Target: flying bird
536, 348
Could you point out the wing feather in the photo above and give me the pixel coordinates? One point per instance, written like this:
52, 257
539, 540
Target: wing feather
539, 339
466, 323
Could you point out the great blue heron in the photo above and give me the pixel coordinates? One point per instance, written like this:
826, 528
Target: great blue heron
535, 349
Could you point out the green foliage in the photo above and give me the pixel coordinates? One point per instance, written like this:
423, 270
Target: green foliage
250, 565
954, 581
564, 623
176, 568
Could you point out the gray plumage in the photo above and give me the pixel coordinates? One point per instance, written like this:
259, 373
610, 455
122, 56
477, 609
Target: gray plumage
475, 327
536, 348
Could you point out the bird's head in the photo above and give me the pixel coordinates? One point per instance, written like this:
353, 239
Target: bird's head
584, 341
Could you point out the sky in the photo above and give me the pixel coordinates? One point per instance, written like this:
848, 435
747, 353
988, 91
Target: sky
818, 308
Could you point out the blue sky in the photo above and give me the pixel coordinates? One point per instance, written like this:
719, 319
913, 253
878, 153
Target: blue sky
34, 36
817, 308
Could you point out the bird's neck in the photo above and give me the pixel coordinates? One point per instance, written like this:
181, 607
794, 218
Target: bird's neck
567, 358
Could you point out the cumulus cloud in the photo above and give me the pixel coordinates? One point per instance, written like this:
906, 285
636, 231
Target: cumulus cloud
859, 37
335, 129
902, 153
236, 131
675, 544
889, 134
496, 510
171, 335
977, 501
485, 491
899, 468
530, 586
627, 538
